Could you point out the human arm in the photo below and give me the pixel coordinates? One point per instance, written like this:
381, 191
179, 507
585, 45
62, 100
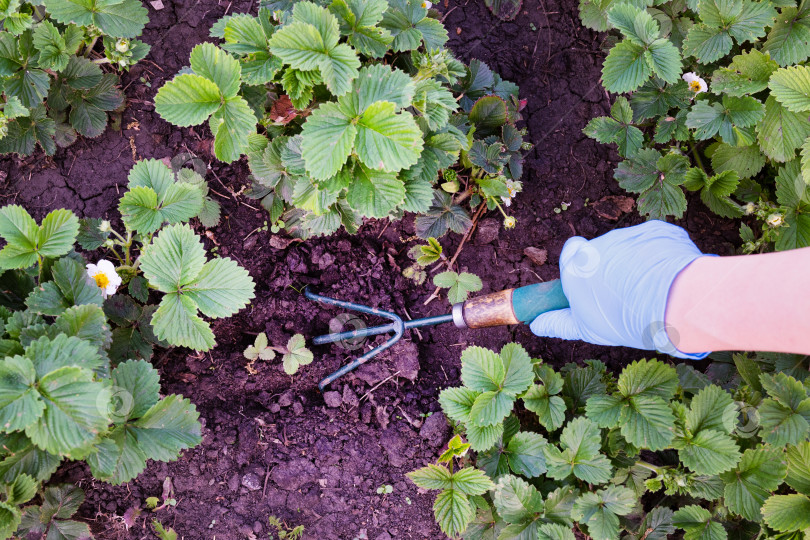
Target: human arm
750, 302
649, 287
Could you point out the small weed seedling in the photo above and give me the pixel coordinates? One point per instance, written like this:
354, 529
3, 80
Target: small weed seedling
167, 496
161, 531
294, 355
385, 489
283, 531
424, 255
459, 286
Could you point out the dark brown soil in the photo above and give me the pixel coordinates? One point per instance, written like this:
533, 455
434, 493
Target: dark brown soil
272, 446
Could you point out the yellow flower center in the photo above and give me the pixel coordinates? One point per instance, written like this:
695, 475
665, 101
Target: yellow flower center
102, 280
694, 86
424, 4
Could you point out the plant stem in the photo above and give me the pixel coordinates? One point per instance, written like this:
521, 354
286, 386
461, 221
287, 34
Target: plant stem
90, 47
495, 200
117, 256
449, 264
128, 244
696, 155
649, 466
463, 196
123, 240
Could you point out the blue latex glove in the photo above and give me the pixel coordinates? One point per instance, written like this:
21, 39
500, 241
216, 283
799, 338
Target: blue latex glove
617, 286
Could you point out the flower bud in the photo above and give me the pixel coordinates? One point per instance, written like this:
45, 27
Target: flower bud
750, 208
105, 226
109, 243
509, 222
122, 45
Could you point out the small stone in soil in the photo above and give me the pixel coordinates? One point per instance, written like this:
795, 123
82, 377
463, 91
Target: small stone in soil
252, 482
332, 399
536, 255
298, 408
488, 230
286, 399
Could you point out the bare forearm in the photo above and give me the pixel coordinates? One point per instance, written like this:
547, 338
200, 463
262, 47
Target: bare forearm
753, 302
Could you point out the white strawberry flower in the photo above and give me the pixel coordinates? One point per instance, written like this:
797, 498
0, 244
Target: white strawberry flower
695, 82
750, 208
105, 276
427, 5
509, 222
775, 220
507, 201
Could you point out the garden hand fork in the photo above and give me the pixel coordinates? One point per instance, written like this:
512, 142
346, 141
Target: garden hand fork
510, 306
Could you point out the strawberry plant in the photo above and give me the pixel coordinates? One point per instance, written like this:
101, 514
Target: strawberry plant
717, 103
68, 390
76, 337
172, 259
655, 450
52, 87
360, 110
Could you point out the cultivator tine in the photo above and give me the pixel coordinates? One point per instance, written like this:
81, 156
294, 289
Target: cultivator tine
397, 326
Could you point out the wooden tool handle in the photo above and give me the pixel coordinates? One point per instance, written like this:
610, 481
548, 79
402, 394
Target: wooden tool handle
511, 306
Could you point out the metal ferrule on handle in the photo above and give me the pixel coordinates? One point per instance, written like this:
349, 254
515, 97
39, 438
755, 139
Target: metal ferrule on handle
511, 306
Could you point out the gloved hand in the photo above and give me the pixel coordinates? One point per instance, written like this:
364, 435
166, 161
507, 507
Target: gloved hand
617, 285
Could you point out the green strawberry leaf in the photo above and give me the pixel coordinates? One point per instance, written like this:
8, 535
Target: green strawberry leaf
748, 73
625, 68
459, 285
791, 87
578, 454
747, 486
187, 100
781, 131
786, 513
375, 193
600, 510
789, 36
115, 18
697, 524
